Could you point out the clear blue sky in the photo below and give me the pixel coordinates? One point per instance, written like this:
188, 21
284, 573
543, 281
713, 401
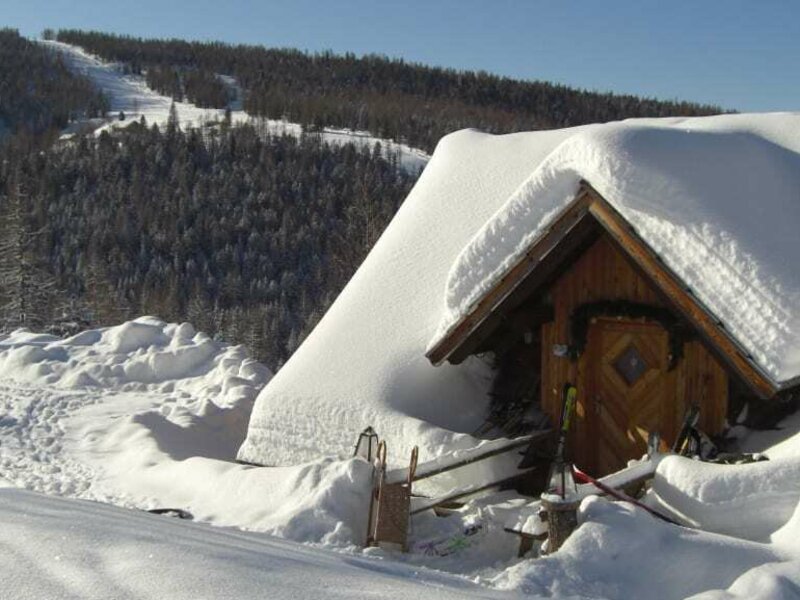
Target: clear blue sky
739, 54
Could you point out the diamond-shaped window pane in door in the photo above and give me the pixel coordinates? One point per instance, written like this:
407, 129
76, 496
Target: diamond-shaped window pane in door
630, 365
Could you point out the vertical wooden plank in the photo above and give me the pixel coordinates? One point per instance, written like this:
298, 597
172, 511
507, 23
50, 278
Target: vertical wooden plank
604, 273
681, 397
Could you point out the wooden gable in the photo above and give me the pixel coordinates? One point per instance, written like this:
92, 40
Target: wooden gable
576, 227
618, 407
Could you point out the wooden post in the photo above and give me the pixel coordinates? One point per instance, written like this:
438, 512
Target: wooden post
562, 519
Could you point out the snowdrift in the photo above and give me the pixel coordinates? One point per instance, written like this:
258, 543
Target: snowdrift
620, 552
58, 548
715, 196
149, 414
745, 501
143, 354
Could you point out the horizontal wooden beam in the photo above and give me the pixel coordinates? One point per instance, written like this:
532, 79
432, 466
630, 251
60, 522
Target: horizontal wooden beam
468, 457
474, 488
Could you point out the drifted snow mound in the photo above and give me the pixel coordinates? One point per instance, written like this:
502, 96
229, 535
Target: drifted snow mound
773, 581
715, 197
750, 501
150, 414
621, 552
146, 353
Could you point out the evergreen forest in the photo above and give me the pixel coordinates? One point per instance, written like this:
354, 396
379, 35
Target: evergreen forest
38, 93
248, 235
390, 98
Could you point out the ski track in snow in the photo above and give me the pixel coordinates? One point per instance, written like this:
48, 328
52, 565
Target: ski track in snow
45, 434
32, 440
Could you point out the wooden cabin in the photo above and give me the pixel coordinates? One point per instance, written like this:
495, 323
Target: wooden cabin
591, 304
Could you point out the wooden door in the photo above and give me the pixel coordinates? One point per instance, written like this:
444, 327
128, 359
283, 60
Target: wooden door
628, 391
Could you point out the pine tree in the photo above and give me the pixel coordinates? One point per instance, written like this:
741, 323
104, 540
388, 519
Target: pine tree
28, 289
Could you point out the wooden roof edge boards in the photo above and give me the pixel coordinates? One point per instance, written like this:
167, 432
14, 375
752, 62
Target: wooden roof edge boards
729, 349
569, 243
569, 218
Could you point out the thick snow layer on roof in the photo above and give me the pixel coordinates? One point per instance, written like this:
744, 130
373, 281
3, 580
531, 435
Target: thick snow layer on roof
718, 198
365, 364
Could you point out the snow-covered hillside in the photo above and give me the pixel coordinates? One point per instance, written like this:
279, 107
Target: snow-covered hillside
148, 414
130, 95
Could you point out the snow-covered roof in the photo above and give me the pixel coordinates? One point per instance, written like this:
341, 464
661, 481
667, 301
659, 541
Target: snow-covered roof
718, 198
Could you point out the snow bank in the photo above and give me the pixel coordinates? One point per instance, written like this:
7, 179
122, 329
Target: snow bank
783, 441
620, 552
746, 501
56, 548
758, 501
144, 354
149, 414
773, 581
715, 197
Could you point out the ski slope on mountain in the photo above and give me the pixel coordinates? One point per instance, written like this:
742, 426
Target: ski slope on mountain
130, 95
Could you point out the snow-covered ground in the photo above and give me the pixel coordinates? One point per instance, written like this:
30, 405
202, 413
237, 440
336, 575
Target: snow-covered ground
54, 548
149, 414
130, 95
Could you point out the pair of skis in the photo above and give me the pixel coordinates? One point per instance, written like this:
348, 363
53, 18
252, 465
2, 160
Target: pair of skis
562, 471
560, 478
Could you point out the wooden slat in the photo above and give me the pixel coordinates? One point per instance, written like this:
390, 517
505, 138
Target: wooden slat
568, 220
463, 458
473, 488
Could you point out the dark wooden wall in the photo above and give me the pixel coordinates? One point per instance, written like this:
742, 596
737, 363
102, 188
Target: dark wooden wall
604, 273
